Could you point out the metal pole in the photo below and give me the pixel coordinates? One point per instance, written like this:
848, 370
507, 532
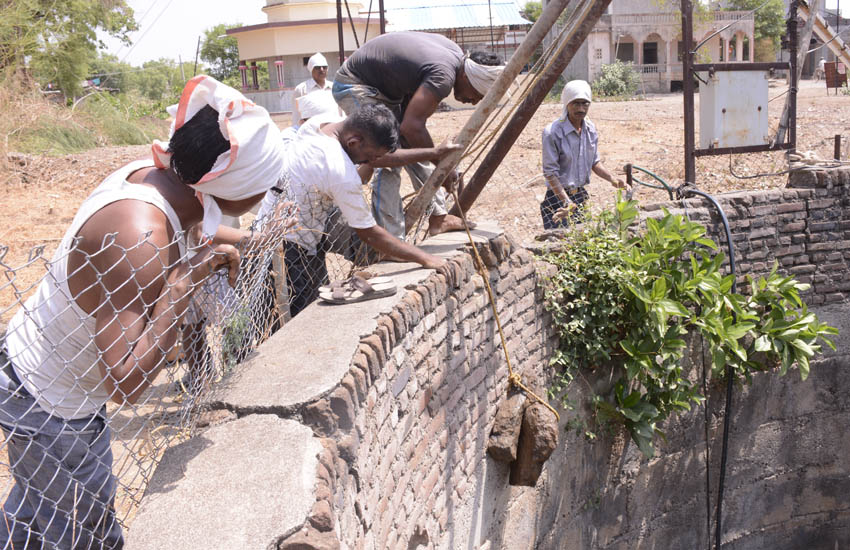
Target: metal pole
688, 89
837, 151
383, 18
487, 105
795, 69
799, 47
339, 32
197, 52
351, 21
527, 109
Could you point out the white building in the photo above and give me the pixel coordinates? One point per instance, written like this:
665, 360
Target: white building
650, 35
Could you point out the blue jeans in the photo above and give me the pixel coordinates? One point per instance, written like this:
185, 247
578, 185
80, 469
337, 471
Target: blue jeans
551, 203
64, 491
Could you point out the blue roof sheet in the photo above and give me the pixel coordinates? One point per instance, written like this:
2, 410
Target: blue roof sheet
417, 15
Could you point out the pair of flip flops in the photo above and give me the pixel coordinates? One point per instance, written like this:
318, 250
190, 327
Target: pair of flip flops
357, 289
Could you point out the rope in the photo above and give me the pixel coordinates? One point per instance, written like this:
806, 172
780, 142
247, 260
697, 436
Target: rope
514, 378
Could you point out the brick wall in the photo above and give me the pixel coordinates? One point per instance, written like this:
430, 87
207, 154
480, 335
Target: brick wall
411, 418
805, 228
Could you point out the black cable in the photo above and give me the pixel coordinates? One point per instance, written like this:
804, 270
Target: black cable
690, 190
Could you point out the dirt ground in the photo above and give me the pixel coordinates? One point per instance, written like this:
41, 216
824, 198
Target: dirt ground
41, 194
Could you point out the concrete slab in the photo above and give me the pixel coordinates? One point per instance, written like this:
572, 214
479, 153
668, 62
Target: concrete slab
309, 356
197, 497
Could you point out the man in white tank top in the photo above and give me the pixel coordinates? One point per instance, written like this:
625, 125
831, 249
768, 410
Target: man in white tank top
101, 322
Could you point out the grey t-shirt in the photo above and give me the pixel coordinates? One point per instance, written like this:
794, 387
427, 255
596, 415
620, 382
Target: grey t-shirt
398, 63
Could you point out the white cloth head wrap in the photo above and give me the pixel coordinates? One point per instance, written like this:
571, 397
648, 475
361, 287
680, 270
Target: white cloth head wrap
315, 103
316, 60
254, 161
480, 76
575, 89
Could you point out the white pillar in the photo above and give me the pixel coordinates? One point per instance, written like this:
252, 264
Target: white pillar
752, 47
739, 47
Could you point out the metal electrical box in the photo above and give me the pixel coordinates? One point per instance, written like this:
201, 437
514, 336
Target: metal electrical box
733, 109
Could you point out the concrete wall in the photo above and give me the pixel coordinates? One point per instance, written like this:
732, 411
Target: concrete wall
366, 426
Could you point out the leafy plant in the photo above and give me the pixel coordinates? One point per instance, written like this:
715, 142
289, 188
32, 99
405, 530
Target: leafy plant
617, 79
627, 302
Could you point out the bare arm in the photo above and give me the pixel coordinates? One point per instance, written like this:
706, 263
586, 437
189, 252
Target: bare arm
138, 320
603, 173
381, 240
421, 106
403, 157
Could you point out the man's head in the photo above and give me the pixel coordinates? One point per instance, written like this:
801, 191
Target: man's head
368, 133
476, 76
576, 98
195, 147
318, 67
224, 146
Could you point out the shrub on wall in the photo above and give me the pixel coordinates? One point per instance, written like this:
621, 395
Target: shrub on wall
627, 301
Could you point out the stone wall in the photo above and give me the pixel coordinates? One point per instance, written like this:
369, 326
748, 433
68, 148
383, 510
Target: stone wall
366, 426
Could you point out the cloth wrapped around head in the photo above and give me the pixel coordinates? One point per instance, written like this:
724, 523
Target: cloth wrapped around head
316, 60
254, 161
316, 103
575, 89
481, 76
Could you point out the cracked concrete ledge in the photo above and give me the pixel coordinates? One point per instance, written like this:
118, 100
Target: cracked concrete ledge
309, 358
205, 491
290, 401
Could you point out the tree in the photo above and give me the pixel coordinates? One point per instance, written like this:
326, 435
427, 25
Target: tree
532, 10
160, 81
220, 52
769, 19
59, 39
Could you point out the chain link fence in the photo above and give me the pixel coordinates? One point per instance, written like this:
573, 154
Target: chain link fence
81, 439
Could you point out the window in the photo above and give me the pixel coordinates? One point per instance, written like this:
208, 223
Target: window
305, 60
626, 52
650, 53
598, 53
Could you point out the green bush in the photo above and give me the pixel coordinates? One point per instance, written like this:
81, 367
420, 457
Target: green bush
618, 79
627, 302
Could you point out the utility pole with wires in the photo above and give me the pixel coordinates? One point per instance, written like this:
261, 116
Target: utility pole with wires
182, 72
197, 52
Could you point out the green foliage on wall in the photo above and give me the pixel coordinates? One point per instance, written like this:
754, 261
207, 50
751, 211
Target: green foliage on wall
627, 303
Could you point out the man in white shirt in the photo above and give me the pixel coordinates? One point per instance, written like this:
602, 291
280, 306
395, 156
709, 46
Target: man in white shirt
321, 173
318, 83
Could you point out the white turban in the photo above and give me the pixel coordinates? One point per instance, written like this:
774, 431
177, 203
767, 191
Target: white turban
315, 103
575, 89
254, 161
480, 76
316, 60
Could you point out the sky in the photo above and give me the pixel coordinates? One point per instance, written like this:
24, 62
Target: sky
170, 28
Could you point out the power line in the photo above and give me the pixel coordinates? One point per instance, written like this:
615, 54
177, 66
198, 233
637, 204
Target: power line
139, 21
136, 43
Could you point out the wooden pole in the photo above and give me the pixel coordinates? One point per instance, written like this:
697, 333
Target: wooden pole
570, 45
485, 108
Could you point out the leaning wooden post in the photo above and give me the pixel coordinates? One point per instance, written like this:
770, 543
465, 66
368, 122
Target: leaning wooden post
571, 43
485, 108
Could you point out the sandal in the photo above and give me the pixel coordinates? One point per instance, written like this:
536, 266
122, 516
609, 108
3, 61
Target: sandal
345, 284
357, 289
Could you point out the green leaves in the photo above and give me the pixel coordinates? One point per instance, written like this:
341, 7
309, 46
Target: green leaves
627, 301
